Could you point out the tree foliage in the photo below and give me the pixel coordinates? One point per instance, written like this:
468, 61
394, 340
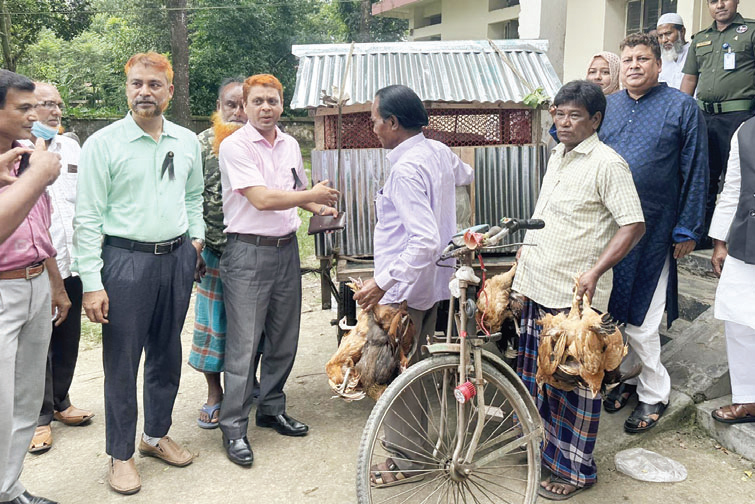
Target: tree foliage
226, 38
27, 18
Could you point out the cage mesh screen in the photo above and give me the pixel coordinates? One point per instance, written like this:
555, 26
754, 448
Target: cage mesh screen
453, 127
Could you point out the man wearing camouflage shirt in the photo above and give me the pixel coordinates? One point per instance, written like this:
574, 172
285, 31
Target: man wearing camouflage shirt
208, 347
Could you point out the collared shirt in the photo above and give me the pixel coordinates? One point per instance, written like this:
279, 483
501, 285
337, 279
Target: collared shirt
63, 198
213, 194
706, 61
122, 191
416, 218
671, 71
663, 138
735, 296
248, 160
30, 243
587, 194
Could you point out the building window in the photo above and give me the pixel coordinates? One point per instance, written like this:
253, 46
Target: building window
504, 30
501, 4
642, 15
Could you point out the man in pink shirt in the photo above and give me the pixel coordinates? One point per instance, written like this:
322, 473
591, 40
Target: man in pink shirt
264, 182
26, 293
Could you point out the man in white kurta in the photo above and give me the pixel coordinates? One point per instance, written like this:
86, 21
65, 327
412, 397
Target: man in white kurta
735, 296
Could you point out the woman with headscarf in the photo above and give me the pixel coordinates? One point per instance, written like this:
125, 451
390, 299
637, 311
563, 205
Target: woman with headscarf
604, 71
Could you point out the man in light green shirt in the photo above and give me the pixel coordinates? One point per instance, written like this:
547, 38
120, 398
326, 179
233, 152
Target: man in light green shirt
138, 232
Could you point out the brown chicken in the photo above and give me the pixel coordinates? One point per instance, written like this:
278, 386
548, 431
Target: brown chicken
372, 353
581, 348
495, 304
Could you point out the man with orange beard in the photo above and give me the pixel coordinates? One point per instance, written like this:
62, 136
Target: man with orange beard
138, 235
208, 347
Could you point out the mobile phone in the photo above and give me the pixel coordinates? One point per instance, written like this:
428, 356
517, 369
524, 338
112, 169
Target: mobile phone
24, 164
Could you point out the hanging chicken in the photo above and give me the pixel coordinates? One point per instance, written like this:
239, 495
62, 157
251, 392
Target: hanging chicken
372, 353
581, 348
495, 305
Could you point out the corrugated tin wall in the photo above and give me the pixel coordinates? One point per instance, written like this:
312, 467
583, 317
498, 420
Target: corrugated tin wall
507, 183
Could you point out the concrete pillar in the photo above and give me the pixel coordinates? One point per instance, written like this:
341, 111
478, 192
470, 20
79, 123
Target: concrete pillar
545, 19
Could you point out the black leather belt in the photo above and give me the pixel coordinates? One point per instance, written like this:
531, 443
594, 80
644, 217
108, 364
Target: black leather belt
157, 248
265, 241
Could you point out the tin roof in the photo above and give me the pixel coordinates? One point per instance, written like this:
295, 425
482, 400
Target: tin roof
447, 71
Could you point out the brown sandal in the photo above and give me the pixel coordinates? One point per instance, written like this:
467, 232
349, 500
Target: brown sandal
735, 413
42, 440
388, 474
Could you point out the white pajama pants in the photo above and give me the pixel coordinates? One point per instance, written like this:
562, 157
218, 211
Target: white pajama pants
654, 382
740, 349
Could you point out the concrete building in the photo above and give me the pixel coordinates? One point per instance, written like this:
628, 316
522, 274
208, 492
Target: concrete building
575, 29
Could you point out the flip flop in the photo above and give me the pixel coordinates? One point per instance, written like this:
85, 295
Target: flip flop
547, 494
42, 440
210, 411
617, 395
642, 414
388, 474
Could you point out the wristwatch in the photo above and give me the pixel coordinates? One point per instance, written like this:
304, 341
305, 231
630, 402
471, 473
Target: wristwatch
200, 241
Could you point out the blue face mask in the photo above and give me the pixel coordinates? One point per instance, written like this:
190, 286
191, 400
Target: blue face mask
42, 131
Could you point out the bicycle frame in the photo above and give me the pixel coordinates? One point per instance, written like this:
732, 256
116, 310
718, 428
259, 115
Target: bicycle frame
465, 322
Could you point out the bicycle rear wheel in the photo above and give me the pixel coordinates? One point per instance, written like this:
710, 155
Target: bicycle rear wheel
415, 425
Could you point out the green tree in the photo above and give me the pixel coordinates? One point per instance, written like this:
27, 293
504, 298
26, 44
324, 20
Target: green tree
362, 26
21, 22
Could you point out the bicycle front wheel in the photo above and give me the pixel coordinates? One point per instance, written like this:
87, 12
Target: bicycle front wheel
412, 435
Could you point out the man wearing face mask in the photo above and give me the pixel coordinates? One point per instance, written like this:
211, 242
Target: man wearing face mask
64, 344
140, 187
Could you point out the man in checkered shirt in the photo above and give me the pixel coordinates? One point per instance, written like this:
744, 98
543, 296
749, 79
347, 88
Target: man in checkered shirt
593, 218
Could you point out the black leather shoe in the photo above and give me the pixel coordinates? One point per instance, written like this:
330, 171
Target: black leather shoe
239, 451
283, 423
27, 498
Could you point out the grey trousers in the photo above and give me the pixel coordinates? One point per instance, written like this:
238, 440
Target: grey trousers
149, 296
262, 289
24, 339
407, 418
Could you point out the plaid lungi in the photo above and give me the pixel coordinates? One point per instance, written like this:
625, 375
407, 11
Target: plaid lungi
570, 418
208, 346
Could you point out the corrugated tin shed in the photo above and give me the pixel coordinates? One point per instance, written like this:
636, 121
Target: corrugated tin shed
442, 71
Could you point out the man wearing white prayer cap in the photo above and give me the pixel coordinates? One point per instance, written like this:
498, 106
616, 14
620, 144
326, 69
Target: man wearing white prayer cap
674, 48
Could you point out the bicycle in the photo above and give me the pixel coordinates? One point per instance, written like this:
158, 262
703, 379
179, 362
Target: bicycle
459, 426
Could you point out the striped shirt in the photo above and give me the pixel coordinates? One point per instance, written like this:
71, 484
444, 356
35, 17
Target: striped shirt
587, 194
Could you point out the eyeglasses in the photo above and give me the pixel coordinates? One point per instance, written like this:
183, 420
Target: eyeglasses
51, 105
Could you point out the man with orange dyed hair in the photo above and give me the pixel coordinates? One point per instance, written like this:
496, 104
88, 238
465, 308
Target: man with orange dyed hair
264, 182
138, 233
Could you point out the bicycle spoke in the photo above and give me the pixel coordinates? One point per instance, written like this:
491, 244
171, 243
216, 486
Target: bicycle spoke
424, 453
486, 494
471, 493
498, 484
413, 491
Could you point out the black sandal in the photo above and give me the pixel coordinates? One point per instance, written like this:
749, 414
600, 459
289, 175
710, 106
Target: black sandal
617, 395
642, 414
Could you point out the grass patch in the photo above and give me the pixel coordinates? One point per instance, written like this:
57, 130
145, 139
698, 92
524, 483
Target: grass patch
91, 333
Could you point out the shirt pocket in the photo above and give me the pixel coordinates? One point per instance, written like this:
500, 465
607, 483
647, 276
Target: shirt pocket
182, 164
703, 53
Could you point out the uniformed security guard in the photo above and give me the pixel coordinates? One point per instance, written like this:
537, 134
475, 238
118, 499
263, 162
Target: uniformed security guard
721, 67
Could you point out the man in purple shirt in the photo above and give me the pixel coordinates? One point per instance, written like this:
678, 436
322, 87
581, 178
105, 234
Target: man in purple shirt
416, 214
26, 293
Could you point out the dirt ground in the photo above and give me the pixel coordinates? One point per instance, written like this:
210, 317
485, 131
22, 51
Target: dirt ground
319, 468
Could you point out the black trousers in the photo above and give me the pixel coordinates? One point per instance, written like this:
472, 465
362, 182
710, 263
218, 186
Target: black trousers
149, 296
62, 356
721, 128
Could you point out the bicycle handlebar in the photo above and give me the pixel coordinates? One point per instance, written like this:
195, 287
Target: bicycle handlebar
494, 235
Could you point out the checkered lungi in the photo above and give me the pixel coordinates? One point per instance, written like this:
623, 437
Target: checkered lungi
208, 346
570, 418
